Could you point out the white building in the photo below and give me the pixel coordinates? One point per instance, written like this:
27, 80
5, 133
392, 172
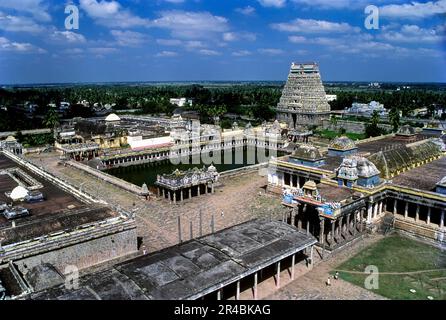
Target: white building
367, 108
331, 97
181, 102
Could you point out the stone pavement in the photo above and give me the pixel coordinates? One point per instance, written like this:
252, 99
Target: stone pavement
312, 285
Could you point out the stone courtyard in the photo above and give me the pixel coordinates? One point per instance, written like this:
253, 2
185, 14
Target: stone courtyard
236, 200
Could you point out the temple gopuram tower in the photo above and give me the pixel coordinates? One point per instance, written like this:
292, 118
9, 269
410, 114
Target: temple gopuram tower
303, 100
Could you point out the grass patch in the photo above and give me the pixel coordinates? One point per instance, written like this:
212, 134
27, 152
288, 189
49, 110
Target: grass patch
398, 255
329, 134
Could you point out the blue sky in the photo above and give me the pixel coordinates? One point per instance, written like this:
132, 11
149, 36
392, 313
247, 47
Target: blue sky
191, 40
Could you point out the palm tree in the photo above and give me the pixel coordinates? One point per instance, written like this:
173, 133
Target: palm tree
394, 118
51, 119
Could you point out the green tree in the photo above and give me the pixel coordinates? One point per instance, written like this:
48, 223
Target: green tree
51, 119
394, 118
372, 129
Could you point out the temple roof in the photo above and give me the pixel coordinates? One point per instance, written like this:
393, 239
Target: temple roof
342, 143
112, 117
389, 162
366, 168
442, 182
307, 152
406, 130
310, 185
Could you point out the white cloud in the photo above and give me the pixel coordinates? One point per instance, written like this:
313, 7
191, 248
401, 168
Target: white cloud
413, 10
189, 45
247, 11
166, 54
325, 4
169, 42
314, 26
414, 34
272, 3
191, 25
271, 51
297, 39
101, 51
207, 52
111, 14
129, 38
67, 36
37, 8
239, 36
19, 24
242, 53
20, 47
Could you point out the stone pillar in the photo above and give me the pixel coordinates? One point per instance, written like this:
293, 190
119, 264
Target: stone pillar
369, 213
205, 188
163, 193
429, 211
341, 228
322, 231
406, 210
311, 258
375, 210
380, 207
219, 294
278, 275
212, 188
308, 227
174, 196
181, 195
395, 206
255, 286
355, 221
190, 192
332, 238
293, 262
348, 226
158, 191
237, 294
442, 219
417, 213
361, 220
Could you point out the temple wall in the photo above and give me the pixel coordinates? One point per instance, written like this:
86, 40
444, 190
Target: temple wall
85, 254
426, 232
351, 126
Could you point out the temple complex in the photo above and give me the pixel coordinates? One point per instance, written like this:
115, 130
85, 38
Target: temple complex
303, 100
350, 189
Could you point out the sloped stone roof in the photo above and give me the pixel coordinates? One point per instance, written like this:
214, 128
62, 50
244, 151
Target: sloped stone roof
307, 152
342, 143
406, 130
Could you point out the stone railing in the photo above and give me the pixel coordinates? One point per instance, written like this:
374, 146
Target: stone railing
108, 178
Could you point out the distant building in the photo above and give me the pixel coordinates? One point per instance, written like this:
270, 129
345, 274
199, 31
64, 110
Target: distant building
367, 108
181, 102
419, 112
331, 97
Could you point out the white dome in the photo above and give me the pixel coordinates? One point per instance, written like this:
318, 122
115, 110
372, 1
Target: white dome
18, 193
112, 117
